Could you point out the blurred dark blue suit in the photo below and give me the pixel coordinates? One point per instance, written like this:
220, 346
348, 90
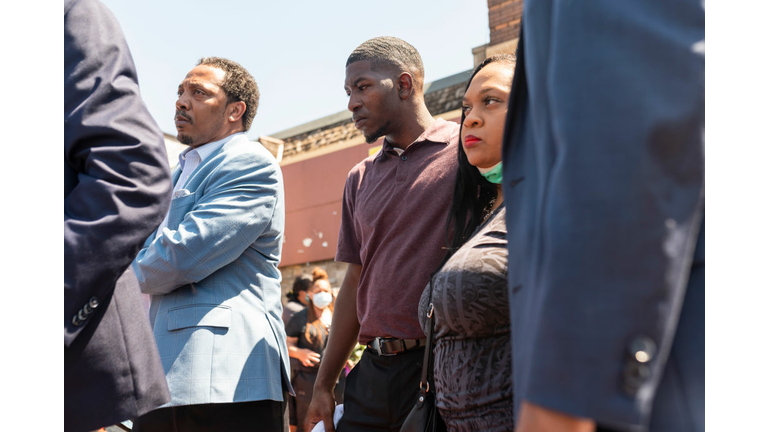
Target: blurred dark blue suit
116, 191
604, 189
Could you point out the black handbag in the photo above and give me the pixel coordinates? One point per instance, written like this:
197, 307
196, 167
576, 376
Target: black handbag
424, 416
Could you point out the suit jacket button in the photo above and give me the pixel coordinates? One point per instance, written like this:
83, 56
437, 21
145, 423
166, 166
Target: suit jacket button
640, 352
635, 374
82, 315
642, 349
76, 321
93, 302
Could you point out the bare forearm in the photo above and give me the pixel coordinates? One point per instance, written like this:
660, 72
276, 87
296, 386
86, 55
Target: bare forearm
293, 350
344, 331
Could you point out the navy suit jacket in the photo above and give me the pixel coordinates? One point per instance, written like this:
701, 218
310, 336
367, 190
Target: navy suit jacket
116, 191
604, 189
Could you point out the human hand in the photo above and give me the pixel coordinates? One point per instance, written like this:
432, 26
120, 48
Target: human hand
535, 418
321, 407
307, 357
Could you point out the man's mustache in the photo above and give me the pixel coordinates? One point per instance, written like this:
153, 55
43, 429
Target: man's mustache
182, 113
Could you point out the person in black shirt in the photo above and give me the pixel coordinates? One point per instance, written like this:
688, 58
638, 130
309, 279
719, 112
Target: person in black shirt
296, 297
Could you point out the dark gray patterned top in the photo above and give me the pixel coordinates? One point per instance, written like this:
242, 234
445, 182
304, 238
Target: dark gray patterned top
473, 351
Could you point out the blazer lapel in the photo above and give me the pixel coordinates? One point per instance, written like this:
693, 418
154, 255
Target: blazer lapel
204, 167
175, 174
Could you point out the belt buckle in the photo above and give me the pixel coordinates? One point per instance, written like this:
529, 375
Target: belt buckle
377, 346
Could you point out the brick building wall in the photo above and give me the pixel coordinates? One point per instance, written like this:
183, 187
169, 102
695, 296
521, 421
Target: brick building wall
504, 18
447, 99
338, 132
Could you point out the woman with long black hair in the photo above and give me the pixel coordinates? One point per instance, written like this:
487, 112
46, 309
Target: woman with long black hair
472, 351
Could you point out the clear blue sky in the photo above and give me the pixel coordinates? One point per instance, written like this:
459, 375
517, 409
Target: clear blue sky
296, 50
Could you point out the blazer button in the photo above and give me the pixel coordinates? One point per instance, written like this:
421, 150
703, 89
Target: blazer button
76, 321
642, 349
635, 375
82, 315
93, 302
637, 370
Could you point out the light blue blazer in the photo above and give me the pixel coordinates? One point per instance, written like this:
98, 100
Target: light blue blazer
214, 280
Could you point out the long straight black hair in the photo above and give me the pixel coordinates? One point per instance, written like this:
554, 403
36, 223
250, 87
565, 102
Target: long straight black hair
472, 193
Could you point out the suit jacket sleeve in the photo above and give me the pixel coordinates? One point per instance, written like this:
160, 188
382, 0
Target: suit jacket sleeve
237, 205
117, 181
622, 200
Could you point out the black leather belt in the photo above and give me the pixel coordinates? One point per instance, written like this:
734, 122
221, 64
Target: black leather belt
391, 346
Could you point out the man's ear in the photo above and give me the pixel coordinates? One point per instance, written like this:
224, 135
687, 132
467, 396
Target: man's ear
235, 111
405, 85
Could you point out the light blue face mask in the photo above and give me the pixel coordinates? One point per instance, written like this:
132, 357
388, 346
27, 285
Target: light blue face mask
492, 174
322, 299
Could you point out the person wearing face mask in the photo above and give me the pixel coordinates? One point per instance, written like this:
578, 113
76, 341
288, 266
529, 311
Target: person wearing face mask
468, 294
307, 334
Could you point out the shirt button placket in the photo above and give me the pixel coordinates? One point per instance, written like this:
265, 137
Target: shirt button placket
402, 168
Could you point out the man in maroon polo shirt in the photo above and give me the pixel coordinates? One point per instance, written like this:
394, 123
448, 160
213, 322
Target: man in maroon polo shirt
392, 235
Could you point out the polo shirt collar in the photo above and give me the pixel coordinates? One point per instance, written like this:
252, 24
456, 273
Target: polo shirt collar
438, 133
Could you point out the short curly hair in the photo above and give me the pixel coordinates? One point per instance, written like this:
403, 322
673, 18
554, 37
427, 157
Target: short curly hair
390, 53
238, 84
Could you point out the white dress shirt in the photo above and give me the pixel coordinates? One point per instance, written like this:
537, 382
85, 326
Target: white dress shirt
189, 160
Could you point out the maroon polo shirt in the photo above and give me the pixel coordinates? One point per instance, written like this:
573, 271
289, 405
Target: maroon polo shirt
393, 224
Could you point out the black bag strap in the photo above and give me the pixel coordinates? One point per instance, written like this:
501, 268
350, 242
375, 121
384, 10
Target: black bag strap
427, 366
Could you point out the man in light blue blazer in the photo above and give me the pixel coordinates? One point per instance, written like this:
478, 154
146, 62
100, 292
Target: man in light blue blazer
604, 190
211, 267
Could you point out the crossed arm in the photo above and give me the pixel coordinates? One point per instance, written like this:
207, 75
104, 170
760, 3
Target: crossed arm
239, 201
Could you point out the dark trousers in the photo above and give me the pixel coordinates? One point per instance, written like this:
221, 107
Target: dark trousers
381, 391
266, 415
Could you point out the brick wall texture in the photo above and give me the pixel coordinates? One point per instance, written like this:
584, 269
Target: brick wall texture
314, 139
445, 100
504, 19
